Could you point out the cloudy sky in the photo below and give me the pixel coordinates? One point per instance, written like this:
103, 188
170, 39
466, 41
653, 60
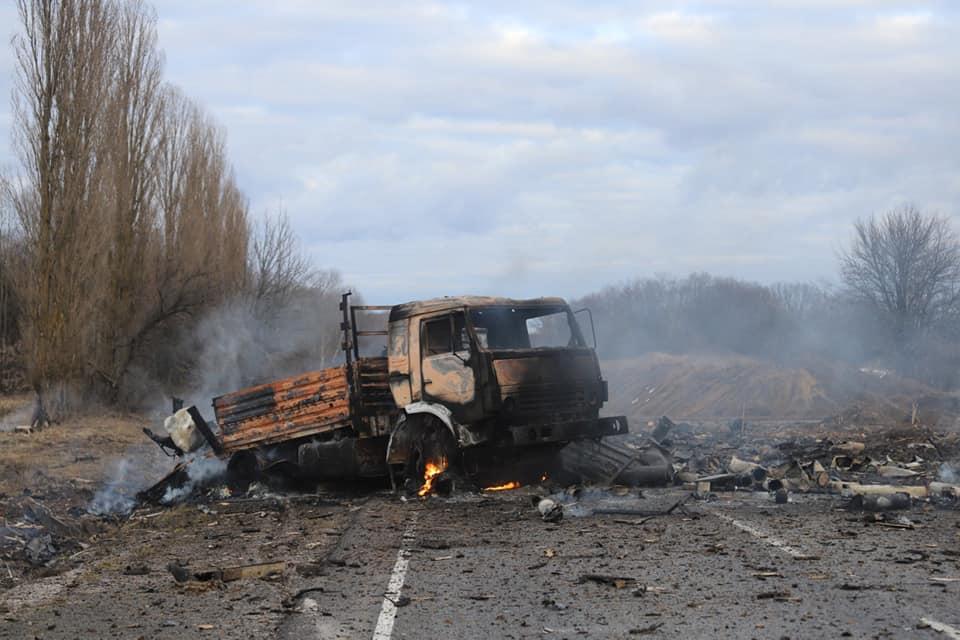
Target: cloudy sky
555, 147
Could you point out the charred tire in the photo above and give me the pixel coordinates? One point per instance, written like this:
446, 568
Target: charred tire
242, 469
429, 441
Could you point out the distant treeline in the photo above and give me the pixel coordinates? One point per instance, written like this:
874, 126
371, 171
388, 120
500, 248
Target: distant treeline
791, 323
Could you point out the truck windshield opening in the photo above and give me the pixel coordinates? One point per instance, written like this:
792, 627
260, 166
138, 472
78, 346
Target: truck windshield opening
525, 328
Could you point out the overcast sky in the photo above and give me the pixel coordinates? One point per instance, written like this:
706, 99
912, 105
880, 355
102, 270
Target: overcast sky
552, 148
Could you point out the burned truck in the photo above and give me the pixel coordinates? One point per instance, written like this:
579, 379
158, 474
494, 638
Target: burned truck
477, 384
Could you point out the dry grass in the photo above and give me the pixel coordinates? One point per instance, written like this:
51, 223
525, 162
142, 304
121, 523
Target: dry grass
699, 386
77, 453
11, 403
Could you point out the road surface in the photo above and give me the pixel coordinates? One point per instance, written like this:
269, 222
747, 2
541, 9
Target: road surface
374, 566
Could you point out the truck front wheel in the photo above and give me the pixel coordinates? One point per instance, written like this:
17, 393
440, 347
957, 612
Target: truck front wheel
431, 453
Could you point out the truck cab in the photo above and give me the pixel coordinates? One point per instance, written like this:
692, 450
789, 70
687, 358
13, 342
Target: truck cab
497, 370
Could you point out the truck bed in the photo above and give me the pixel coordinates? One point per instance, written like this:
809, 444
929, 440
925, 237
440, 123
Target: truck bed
305, 405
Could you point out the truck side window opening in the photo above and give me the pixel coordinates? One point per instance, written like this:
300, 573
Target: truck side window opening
437, 334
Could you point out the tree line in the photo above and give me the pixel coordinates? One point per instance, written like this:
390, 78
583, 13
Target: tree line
123, 223
897, 306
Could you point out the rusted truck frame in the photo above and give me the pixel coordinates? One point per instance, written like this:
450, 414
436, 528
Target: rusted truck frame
459, 380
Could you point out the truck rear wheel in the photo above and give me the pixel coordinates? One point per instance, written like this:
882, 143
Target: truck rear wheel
242, 470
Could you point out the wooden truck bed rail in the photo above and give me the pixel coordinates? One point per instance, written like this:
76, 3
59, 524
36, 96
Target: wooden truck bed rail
307, 404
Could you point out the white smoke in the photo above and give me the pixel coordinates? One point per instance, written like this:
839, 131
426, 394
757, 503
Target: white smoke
140, 467
244, 342
948, 473
15, 418
118, 495
201, 472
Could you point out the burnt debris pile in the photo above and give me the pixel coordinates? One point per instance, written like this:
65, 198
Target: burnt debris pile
31, 534
780, 459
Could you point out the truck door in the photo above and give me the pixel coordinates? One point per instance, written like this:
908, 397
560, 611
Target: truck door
447, 369
398, 362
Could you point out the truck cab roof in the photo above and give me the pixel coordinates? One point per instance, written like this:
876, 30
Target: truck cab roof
420, 307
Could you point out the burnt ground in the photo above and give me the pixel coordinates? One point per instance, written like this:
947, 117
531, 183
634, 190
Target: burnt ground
488, 566
360, 562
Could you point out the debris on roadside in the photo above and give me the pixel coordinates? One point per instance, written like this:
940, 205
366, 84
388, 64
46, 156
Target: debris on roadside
263, 570
642, 631
628, 460
706, 460
31, 533
583, 501
663, 428
619, 582
879, 502
550, 510
890, 520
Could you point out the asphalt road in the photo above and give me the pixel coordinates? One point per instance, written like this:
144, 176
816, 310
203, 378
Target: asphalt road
472, 566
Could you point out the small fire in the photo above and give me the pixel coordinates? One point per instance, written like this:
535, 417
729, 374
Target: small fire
504, 487
432, 470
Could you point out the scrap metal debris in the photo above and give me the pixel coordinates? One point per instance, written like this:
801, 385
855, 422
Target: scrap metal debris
550, 510
31, 533
705, 459
879, 502
262, 570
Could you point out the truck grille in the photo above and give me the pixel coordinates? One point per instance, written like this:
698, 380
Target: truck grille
536, 402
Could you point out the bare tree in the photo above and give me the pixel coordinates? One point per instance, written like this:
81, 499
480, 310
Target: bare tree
906, 264
128, 217
801, 300
8, 299
195, 252
324, 290
277, 267
133, 116
61, 89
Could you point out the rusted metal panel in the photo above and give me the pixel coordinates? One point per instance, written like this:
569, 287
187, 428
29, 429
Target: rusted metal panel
448, 379
309, 404
549, 387
450, 303
399, 362
374, 408
295, 407
567, 366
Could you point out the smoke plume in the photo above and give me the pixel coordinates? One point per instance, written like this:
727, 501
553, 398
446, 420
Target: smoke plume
202, 471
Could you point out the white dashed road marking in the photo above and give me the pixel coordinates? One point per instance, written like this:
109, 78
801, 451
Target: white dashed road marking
388, 612
765, 536
945, 629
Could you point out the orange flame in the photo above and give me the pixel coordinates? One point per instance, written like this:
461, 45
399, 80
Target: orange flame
431, 471
504, 487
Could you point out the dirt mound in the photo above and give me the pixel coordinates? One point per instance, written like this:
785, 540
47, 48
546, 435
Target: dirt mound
727, 386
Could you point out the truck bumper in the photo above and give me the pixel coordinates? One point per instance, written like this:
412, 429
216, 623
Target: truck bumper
567, 431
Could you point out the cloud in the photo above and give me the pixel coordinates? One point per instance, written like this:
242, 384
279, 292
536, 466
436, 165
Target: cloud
902, 26
551, 148
8, 18
676, 25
